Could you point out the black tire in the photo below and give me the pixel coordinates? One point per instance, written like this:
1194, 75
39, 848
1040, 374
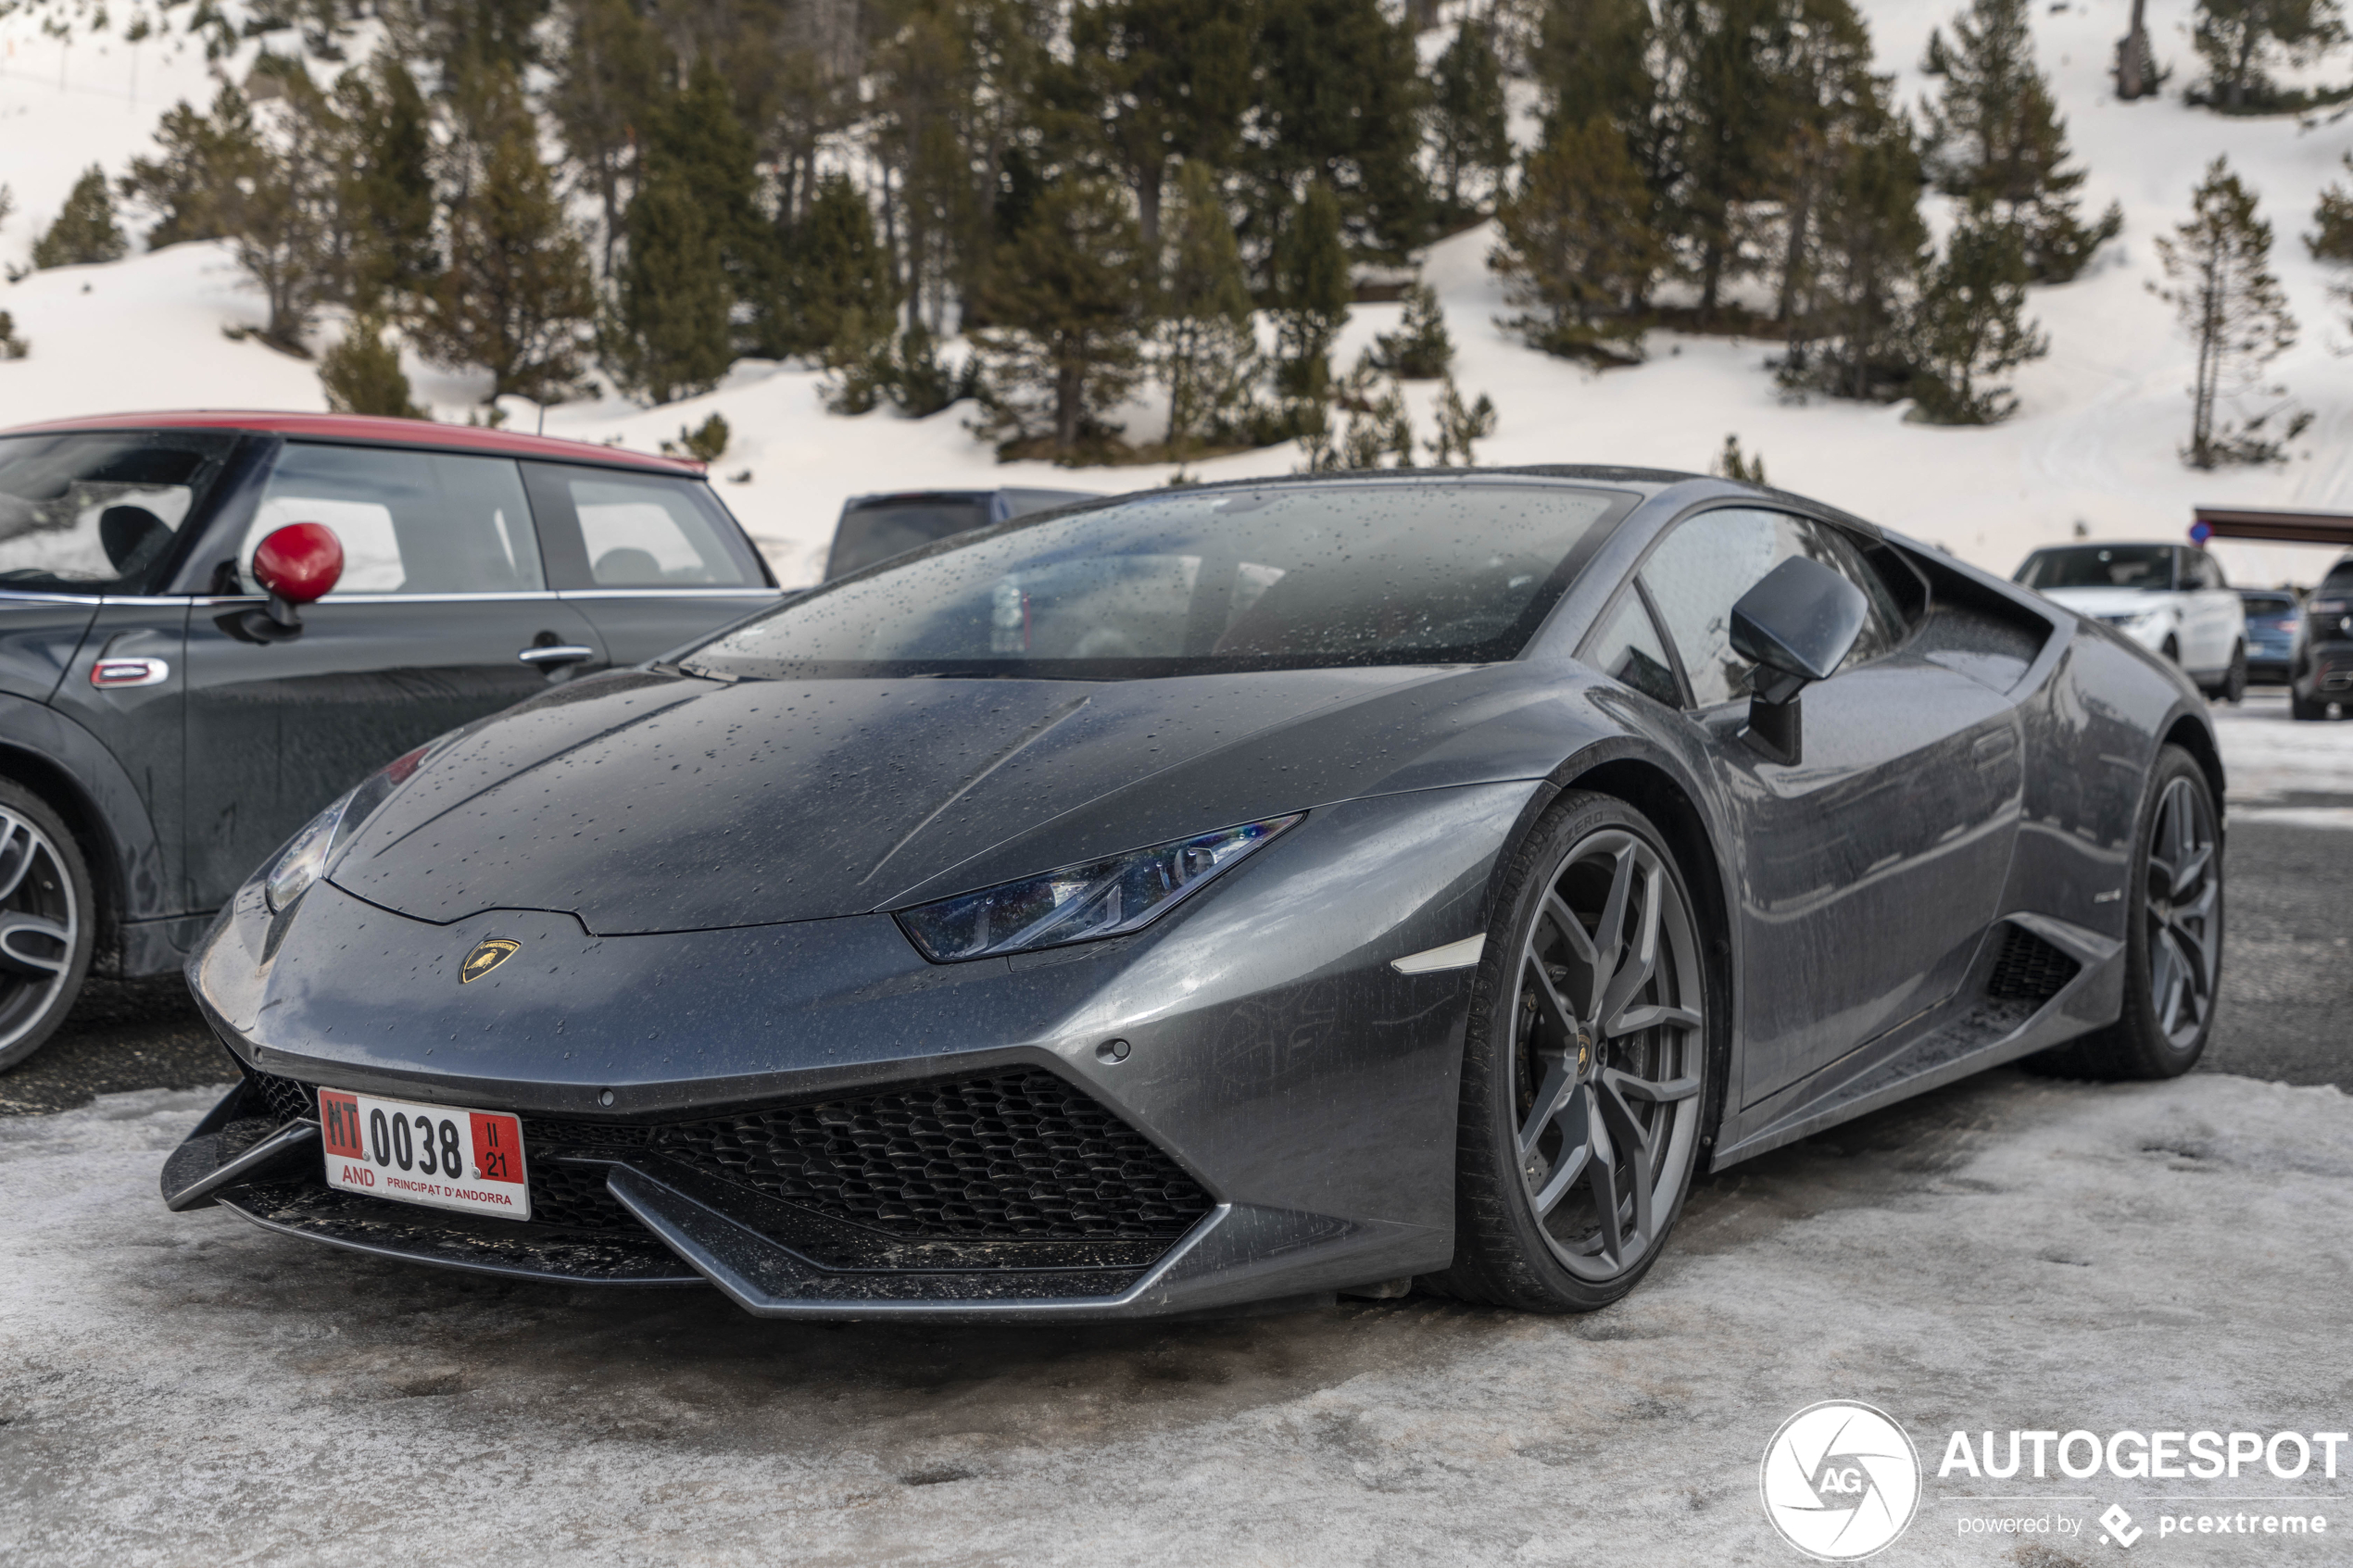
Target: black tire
2234, 684
2174, 935
1529, 1231
48, 918
2173, 652
2303, 709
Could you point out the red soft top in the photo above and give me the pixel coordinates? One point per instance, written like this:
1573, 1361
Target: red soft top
361, 427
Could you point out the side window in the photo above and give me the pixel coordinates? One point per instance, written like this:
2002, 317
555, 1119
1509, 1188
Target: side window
411, 522
2209, 571
653, 533
1626, 647
1702, 568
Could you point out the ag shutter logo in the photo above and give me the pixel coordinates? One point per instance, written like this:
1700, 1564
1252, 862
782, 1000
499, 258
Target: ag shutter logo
1840, 1480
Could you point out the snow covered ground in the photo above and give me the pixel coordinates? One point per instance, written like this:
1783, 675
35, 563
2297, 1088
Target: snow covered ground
2009, 1254
2095, 443
2283, 772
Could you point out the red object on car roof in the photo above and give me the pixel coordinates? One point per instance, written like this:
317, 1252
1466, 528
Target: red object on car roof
383, 432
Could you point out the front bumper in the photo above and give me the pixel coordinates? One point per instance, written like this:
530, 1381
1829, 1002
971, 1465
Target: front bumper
822, 1124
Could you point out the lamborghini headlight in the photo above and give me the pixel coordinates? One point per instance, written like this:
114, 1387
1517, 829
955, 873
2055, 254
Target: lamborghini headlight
1106, 897
304, 859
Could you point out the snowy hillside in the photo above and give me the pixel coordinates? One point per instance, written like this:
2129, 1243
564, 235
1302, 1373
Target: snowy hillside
2095, 440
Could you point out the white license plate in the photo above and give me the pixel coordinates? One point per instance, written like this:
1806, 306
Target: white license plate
443, 1158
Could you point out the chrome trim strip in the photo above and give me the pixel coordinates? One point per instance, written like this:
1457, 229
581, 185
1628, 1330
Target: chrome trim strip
1455, 955
12, 595
752, 591
529, 596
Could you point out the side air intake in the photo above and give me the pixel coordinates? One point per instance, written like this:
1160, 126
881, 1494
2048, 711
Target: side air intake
2028, 969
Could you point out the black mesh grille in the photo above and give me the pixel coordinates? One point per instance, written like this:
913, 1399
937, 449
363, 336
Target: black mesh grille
2029, 970
1018, 1154
1014, 1155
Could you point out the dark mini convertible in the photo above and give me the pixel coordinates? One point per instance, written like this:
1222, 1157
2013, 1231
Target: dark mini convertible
1221, 895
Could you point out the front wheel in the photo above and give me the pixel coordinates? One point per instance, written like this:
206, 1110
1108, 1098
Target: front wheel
46, 907
2173, 947
2303, 709
1586, 1068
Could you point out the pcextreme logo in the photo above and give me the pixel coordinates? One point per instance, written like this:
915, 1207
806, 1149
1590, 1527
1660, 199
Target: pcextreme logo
1840, 1480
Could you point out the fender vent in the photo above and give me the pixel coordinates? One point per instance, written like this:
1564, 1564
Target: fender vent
2029, 970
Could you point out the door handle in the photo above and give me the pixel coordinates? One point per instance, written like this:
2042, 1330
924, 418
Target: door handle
560, 653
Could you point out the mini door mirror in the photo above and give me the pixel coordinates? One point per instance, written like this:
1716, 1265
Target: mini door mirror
1798, 625
296, 565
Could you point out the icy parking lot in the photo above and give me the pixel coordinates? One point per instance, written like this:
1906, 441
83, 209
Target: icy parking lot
2011, 1253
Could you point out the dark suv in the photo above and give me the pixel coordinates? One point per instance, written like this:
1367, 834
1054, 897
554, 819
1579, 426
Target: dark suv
165, 723
2320, 668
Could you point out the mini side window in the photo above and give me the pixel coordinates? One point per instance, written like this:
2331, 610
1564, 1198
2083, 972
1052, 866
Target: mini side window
411, 522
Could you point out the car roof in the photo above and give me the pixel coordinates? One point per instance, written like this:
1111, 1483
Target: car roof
421, 433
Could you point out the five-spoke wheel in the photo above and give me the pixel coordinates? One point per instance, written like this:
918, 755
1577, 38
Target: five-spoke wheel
1584, 1083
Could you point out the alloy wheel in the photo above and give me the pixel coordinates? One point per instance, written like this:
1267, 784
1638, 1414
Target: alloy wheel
39, 925
2184, 891
1607, 1049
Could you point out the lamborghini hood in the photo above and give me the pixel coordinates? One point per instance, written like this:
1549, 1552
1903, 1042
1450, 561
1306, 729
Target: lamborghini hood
643, 802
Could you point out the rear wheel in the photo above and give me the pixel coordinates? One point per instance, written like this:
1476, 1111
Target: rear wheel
46, 904
2173, 950
1586, 1067
2234, 684
2301, 708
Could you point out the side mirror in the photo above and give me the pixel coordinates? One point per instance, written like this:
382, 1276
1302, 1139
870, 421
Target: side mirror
1798, 625
298, 564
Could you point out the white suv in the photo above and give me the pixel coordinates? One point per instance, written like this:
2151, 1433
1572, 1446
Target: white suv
2169, 598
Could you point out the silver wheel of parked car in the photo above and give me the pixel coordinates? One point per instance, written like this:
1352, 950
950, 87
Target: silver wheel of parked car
1584, 1083
2182, 904
45, 913
1606, 1046
2173, 946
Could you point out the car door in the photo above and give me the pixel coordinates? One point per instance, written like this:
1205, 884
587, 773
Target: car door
443, 615
1870, 869
2222, 615
653, 560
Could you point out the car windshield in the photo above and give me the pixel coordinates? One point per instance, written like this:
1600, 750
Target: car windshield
2339, 581
885, 526
2270, 604
1281, 577
2101, 565
97, 513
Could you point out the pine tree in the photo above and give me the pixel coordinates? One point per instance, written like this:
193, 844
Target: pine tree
385, 199
1847, 331
362, 375
1470, 134
2239, 38
2331, 241
201, 153
1731, 463
12, 345
1168, 82
1723, 123
607, 82
1994, 135
1460, 424
1970, 324
86, 230
1339, 104
1421, 348
516, 298
1208, 350
2219, 265
1068, 308
698, 141
669, 334
1313, 292
832, 266
1577, 246
276, 203
1592, 61
1827, 98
